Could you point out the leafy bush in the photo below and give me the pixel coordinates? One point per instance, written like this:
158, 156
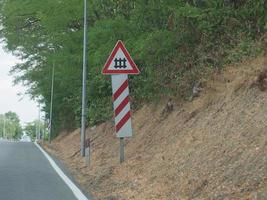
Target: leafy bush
174, 43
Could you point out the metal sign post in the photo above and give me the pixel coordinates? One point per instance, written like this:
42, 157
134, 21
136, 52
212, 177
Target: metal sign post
121, 150
119, 65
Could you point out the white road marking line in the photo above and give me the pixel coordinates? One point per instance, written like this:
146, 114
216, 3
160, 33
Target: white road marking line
76, 191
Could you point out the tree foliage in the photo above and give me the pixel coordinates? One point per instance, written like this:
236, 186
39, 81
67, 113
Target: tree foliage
32, 128
10, 126
174, 43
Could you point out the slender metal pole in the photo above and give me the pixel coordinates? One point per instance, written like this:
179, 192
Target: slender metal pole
36, 131
4, 131
51, 102
44, 130
39, 122
84, 113
121, 150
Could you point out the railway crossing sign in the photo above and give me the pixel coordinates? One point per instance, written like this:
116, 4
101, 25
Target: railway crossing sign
120, 62
119, 65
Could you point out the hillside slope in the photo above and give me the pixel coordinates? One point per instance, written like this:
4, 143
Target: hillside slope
214, 147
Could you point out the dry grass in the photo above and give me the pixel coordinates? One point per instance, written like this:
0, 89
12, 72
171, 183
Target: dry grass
214, 147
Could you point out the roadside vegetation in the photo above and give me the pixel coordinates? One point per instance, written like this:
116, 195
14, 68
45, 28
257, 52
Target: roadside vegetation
31, 128
175, 43
10, 126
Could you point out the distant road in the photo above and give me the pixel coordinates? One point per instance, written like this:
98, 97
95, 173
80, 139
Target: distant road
25, 174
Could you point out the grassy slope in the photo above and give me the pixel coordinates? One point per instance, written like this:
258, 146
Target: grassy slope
212, 148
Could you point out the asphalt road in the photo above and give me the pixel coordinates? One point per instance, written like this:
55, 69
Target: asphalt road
25, 174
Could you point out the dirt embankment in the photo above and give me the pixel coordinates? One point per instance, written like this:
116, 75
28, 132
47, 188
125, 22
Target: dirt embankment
214, 147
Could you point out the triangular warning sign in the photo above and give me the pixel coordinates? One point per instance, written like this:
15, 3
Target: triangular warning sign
120, 61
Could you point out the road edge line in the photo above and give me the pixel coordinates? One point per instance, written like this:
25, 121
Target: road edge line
76, 191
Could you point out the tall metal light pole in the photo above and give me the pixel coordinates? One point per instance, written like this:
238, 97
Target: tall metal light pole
39, 122
44, 129
51, 101
36, 131
84, 110
4, 130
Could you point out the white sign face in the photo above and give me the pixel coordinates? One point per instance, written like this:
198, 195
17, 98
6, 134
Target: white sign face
122, 110
120, 62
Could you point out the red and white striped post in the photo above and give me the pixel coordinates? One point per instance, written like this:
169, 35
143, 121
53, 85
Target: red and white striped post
119, 65
121, 102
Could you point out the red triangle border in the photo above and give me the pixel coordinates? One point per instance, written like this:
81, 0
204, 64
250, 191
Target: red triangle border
121, 46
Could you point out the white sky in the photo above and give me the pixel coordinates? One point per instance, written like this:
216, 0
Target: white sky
9, 99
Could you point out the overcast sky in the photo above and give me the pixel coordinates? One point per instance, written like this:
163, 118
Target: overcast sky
9, 100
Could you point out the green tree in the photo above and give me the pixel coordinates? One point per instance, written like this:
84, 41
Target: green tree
174, 43
10, 126
32, 128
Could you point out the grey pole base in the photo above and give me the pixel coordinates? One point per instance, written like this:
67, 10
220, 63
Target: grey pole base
87, 156
121, 150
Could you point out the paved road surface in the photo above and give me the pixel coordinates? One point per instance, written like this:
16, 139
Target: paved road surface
25, 174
